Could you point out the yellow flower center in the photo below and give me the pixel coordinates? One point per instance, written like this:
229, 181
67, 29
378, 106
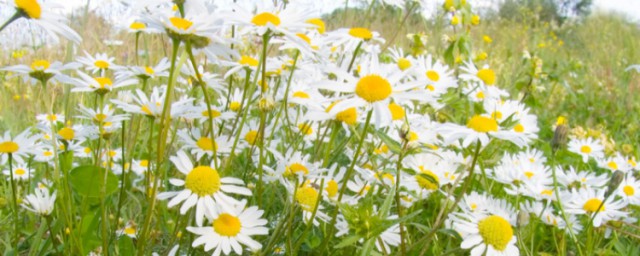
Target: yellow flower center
480, 95
30, 7
528, 174
47, 153
307, 197
519, 128
180, 23
301, 94
427, 180
205, 143
373, 88
137, 25
101, 64
146, 110
144, 163
383, 149
262, 19
8, 147
296, 168
203, 180
332, 188
487, 76
52, 117
234, 106
483, 124
547, 192
585, 149
397, 112
319, 24
103, 81
404, 64
433, 75
149, 70
304, 37
613, 165
227, 225
248, 60
40, 65
592, 205
495, 231
496, 115
361, 33
628, 190
251, 137
20, 172
100, 117
305, 129
213, 114
67, 133
130, 231
348, 116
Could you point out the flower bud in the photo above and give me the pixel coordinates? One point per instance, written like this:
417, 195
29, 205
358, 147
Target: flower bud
614, 182
559, 137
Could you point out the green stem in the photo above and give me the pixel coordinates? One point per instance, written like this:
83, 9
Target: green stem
15, 203
445, 210
13, 18
346, 178
401, 156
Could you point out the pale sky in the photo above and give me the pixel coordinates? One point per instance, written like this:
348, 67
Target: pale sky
627, 7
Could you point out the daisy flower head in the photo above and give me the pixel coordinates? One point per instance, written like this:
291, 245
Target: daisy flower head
43, 71
373, 89
41, 202
286, 21
230, 229
629, 190
615, 162
592, 203
402, 61
128, 230
490, 233
21, 172
436, 76
100, 85
43, 14
19, 146
293, 165
573, 179
200, 144
352, 38
203, 188
587, 148
146, 72
101, 62
479, 128
46, 119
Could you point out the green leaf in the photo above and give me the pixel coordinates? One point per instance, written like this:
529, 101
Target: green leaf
348, 241
88, 181
125, 245
393, 145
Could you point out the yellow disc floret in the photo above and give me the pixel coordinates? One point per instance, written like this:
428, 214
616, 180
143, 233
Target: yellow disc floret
262, 19
483, 124
592, 205
495, 231
487, 76
227, 225
361, 33
9, 147
373, 88
30, 7
203, 181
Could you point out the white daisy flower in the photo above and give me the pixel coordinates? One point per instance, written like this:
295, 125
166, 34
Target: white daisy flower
99, 85
230, 229
629, 190
43, 71
19, 146
586, 148
490, 233
21, 172
43, 14
101, 62
590, 202
203, 187
41, 202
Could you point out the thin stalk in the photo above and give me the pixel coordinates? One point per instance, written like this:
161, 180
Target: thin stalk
13, 18
403, 249
164, 121
14, 201
445, 210
346, 178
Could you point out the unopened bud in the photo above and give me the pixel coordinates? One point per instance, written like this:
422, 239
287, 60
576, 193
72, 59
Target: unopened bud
404, 132
614, 182
559, 137
266, 104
